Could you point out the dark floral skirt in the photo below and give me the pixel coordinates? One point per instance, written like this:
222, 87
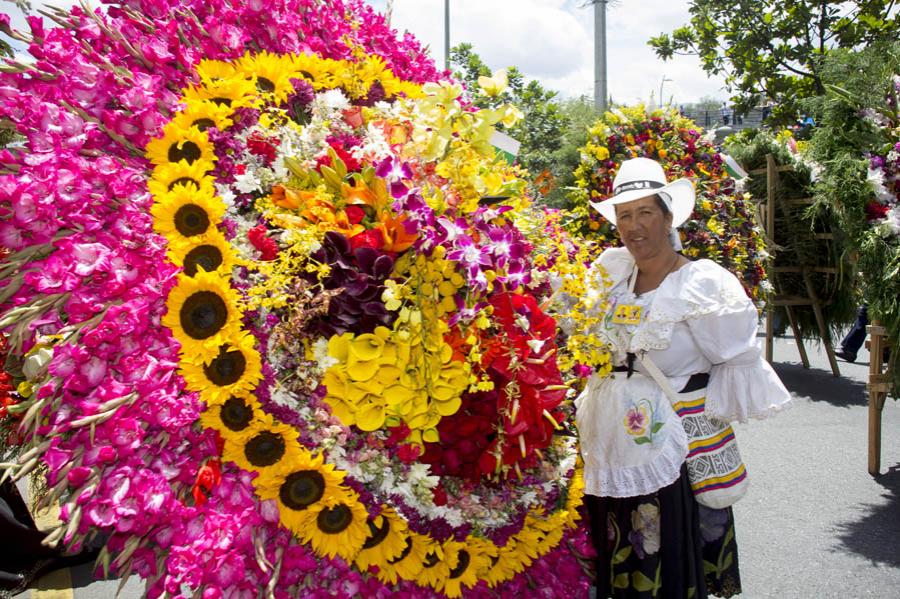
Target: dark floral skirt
663, 545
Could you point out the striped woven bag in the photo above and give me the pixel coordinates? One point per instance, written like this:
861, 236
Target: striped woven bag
717, 474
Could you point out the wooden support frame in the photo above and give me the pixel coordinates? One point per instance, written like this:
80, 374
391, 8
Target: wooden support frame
879, 386
789, 302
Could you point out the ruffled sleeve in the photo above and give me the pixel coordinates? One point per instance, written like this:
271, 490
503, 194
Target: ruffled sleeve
742, 384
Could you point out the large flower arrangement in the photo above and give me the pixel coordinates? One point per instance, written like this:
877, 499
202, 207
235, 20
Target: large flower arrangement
806, 233
723, 226
857, 141
293, 353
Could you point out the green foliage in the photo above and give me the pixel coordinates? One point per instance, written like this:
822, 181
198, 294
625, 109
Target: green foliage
546, 131
775, 49
859, 84
796, 229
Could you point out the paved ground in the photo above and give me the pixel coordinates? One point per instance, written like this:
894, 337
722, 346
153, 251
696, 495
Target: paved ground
814, 524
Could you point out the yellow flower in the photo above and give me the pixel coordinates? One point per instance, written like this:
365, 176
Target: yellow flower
318, 71
232, 92
204, 114
181, 144
495, 84
299, 485
265, 444
466, 560
209, 252
202, 313
272, 74
184, 212
212, 70
232, 417
236, 369
386, 541
339, 528
169, 177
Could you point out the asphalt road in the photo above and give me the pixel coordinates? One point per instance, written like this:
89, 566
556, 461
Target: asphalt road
814, 524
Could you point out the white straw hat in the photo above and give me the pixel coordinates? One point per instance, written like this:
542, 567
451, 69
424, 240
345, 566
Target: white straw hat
642, 177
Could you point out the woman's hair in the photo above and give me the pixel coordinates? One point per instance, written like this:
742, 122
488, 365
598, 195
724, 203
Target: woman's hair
662, 204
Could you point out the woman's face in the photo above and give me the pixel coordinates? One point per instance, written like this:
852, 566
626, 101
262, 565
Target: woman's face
644, 227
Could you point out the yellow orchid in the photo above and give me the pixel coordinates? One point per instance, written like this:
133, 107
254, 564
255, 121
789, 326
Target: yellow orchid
495, 85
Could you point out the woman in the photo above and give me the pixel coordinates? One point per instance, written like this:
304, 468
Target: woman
692, 321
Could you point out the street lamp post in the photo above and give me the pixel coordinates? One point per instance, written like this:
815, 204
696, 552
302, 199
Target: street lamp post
600, 94
447, 35
661, 83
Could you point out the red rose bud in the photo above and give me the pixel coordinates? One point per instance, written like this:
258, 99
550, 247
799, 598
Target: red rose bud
355, 214
371, 238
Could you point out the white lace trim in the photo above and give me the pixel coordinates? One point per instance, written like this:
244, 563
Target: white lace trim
641, 479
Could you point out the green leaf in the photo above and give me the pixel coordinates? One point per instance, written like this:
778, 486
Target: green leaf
657, 426
331, 177
621, 555
642, 440
621, 581
767, 18
729, 536
641, 582
709, 567
726, 563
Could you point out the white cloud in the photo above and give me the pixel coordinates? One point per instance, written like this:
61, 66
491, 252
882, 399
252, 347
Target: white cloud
553, 41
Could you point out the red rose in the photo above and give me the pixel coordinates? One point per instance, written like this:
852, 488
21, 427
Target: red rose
355, 214
267, 247
262, 147
209, 475
371, 238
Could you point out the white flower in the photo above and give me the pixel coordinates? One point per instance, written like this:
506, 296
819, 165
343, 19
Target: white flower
875, 177
247, 182
224, 192
535, 344
320, 353
331, 101
283, 397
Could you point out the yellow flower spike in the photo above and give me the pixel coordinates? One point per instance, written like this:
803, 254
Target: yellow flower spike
179, 144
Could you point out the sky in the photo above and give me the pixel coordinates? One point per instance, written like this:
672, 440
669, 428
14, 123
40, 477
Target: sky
552, 41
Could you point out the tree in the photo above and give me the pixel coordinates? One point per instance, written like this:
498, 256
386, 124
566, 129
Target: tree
542, 129
774, 48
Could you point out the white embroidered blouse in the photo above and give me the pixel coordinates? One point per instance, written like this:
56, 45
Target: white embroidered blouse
699, 320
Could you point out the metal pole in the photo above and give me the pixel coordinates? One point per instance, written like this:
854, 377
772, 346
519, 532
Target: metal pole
600, 93
447, 34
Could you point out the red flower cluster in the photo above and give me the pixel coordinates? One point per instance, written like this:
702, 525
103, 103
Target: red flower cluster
349, 161
505, 428
209, 475
263, 147
266, 245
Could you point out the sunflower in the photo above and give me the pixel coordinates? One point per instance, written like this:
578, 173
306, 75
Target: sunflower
434, 567
318, 71
302, 485
202, 314
186, 212
213, 70
232, 92
236, 369
339, 528
263, 446
209, 252
204, 114
234, 416
506, 563
272, 74
170, 176
179, 143
408, 564
466, 560
386, 540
